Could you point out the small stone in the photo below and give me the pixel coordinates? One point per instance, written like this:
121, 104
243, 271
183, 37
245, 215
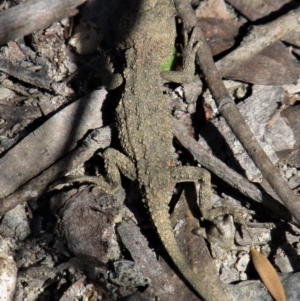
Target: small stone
242, 263
287, 264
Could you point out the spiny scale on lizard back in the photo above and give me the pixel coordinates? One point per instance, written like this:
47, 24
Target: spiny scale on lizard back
141, 27
145, 127
143, 114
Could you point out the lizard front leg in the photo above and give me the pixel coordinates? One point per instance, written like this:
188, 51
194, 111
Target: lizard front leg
115, 162
189, 53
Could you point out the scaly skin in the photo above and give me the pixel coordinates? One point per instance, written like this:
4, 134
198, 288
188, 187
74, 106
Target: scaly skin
144, 125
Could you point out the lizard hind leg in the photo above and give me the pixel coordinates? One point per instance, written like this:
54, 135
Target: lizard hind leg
116, 163
194, 174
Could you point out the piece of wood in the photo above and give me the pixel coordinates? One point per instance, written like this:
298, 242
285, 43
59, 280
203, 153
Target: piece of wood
257, 9
50, 142
27, 17
97, 139
257, 40
32, 77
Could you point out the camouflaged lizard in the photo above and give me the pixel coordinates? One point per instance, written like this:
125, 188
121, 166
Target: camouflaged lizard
145, 129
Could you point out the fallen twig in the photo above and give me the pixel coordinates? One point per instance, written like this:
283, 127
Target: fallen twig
27, 17
233, 117
33, 78
225, 173
97, 139
257, 40
50, 142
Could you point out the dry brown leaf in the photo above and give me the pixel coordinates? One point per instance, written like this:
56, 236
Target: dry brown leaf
86, 38
272, 66
214, 9
219, 33
256, 9
268, 275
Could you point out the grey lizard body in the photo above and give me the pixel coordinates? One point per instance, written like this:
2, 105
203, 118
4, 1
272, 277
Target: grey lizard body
145, 129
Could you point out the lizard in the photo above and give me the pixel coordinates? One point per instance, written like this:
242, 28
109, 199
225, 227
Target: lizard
145, 129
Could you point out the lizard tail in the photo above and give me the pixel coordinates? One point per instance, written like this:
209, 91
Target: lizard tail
207, 284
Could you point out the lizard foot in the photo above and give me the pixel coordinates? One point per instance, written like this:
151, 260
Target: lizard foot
114, 162
99, 181
189, 53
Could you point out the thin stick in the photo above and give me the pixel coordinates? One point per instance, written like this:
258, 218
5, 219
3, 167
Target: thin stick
234, 118
225, 173
27, 17
257, 40
97, 139
33, 78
